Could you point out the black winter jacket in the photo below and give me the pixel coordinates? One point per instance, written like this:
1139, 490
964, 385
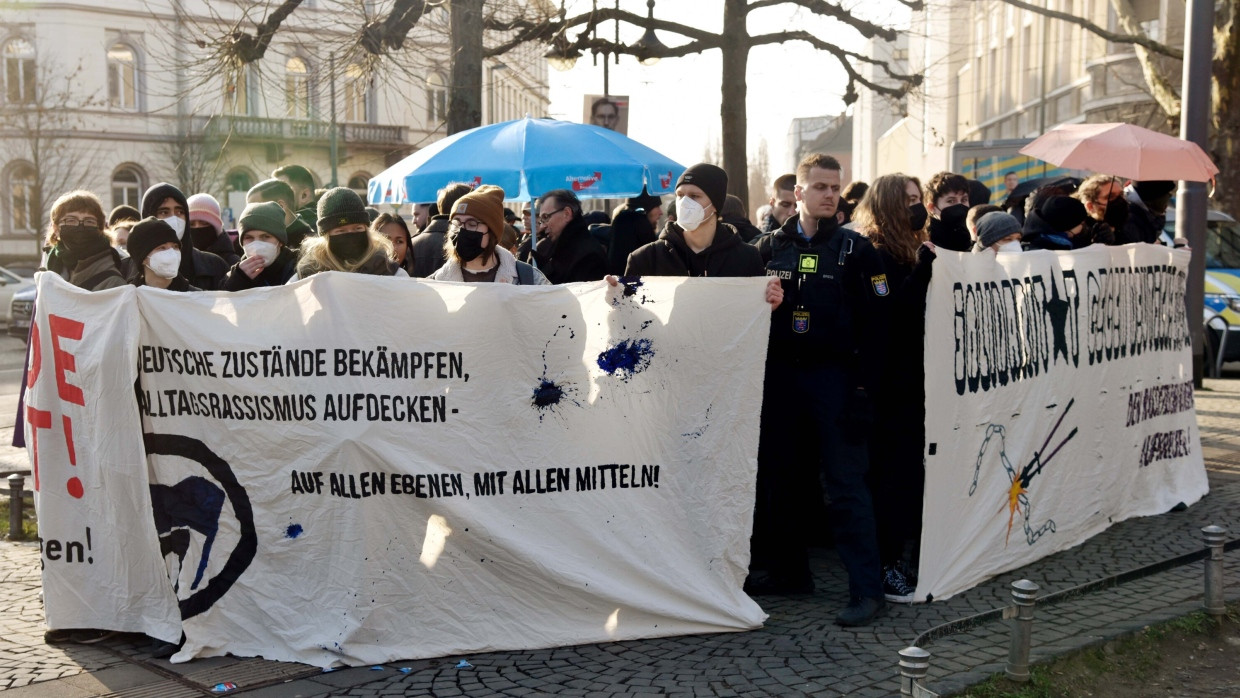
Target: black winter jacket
426, 248
574, 256
670, 255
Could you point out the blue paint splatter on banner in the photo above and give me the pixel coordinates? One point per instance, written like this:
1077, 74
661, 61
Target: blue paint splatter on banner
631, 284
629, 357
547, 394
292, 531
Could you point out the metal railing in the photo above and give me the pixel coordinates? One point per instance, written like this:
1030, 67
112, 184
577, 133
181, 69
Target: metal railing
914, 663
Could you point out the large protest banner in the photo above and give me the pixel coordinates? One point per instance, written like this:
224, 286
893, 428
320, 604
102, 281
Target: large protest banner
352, 469
1059, 400
84, 439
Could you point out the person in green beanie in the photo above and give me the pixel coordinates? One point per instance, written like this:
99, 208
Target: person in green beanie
345, 241
268, 261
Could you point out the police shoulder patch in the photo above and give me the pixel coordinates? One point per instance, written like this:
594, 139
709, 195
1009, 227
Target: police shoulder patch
879, 283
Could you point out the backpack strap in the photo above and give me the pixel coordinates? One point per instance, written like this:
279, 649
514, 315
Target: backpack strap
525, 274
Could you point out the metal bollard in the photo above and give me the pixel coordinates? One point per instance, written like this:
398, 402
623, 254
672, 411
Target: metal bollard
1024, 595
1215, 537
17, 483
914, 665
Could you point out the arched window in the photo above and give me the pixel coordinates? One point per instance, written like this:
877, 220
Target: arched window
127, 186
359, 181
239, 179
19, 75
122, 77
21, 198
356, 95
436, 100
297, 88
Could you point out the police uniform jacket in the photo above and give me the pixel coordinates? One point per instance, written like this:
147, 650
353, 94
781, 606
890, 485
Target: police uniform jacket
835, 299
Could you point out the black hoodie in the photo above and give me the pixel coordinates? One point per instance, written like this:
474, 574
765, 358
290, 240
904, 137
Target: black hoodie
202, 269
727, 255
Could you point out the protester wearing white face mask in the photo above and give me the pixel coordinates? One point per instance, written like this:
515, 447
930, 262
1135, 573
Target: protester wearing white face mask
156, 254
166, 202
998, 231
698, 243
267, 260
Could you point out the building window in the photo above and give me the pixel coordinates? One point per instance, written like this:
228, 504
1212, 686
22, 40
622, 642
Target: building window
297, 88
356, 95
237, 98
21, 189
122, 77
19, 69
126, 186
436, 100
360, 182
238, 180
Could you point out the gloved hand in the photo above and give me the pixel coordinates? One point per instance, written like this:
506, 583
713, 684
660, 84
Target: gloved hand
857, 417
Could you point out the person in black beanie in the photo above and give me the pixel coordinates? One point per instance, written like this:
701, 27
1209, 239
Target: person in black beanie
700, 242
1053, 224
345, 241
156, 253
203, 269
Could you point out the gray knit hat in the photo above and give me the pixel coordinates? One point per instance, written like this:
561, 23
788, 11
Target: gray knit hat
267, 216
995, 226
339, 207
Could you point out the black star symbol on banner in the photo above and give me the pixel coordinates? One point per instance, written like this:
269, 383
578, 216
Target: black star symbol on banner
1058, 308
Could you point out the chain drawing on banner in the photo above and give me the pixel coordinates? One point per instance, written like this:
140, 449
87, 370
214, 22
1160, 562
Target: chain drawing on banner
1018, 491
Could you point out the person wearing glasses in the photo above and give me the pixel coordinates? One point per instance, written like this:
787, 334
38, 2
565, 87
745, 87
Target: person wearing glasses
345, 241
566, 252
78, 248
472, 246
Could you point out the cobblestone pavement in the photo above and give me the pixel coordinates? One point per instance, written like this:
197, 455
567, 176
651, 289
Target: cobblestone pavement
799, 651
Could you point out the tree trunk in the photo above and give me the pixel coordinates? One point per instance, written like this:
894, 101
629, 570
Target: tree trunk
735, 49
465, 92
1226, 109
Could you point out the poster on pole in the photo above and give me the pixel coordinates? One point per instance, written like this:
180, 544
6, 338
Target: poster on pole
1059, 401
608, 111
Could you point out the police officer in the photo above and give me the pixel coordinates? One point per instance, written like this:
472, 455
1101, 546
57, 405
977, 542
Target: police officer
823, 359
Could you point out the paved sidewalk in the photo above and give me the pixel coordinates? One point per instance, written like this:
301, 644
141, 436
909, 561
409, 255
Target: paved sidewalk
799, 651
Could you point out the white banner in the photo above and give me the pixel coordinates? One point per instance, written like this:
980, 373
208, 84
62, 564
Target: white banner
101, 563
1058, 402
354, 469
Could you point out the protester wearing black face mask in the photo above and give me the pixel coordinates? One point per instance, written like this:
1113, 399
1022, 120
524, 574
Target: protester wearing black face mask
472, 245
79, 250
1147, 211
345, 242
947, 199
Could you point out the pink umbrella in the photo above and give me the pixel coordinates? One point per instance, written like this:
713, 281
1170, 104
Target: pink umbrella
1123, 150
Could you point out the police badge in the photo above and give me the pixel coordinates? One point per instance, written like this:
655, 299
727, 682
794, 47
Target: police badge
800, 321
880, 284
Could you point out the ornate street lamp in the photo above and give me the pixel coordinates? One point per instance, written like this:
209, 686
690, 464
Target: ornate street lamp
648, 48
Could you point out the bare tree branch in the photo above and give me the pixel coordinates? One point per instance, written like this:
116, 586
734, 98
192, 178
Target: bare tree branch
247, 48
1136, 37
867, 29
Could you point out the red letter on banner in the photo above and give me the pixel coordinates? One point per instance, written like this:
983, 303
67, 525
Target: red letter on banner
69, 329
